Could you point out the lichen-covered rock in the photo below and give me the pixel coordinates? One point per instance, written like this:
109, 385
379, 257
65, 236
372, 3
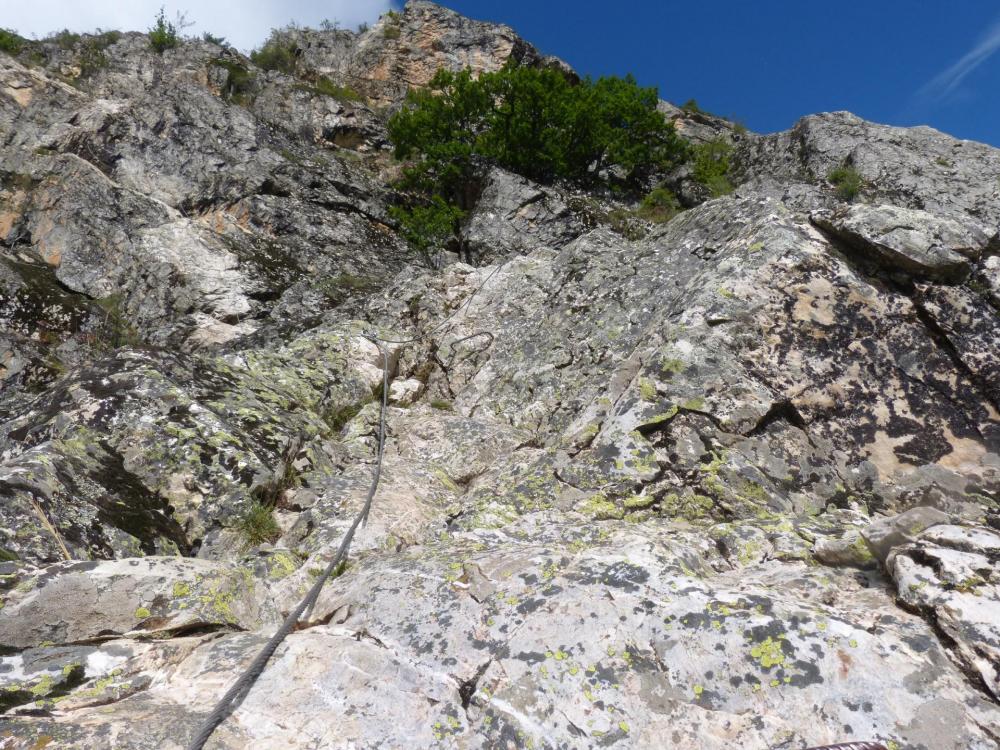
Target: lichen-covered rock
906, 239
404, 50
950, 573
683, 487
83, 601
514, 215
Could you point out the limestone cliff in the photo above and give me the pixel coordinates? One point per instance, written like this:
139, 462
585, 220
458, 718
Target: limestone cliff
731, 480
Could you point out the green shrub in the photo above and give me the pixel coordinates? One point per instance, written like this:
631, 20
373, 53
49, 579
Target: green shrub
847, 181
691, 106
391, 30
163, 34
239, 82
213, 39
115, 330
428, 226
659, 206
323, 86
257, 525
10, 42
277, 53
362, 27
65, 39
534, 122
710, 166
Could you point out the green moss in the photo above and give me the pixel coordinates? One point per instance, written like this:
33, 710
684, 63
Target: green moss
447, 481
142, 613
281, 565
689, 507
647, 389
639, 502
441, 405
670, 366
600, 508
323, 86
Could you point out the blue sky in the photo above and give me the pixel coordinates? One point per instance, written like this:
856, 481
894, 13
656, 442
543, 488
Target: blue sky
768, 62
764, 62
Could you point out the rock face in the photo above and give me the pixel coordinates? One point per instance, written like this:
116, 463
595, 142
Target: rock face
728, 481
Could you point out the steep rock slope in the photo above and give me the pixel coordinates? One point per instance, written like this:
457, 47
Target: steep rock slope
731, 483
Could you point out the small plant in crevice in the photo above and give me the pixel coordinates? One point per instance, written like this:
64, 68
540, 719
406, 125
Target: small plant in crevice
323, 86
710, 164
11, 42
391, 30
847, 181
429, 226
659, 206
278, 53
114, 330
211, 38
239, 84
337, 289
691, 107
257, 525
163, 33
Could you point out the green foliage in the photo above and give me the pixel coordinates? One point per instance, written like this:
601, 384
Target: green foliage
239, 81
257, 525
691, 106
339, 288
537, 123
659, 206
65, 39
163, 34
390, 29
532, 121
710, 166
362, 27
323, 86
115, 330
428, 226
441, 405
277, 53
213, 39
847, 181
10, 42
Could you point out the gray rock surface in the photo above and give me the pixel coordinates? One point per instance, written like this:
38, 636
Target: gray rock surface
729, 481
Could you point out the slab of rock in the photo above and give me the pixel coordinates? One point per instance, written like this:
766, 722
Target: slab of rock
906, 239
950, 573
80, 601
887, 533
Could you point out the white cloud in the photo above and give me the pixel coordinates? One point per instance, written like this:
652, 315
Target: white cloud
948, 80
245, 23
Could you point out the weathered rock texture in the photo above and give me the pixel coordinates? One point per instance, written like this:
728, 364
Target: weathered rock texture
727, 481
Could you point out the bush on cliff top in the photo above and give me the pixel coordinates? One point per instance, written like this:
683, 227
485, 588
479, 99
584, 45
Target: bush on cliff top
536, 122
